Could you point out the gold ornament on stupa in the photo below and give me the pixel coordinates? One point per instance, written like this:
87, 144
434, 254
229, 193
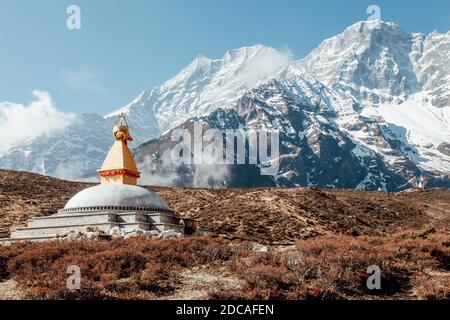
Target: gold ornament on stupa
119, 166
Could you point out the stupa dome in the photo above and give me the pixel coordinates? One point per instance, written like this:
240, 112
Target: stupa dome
118, 196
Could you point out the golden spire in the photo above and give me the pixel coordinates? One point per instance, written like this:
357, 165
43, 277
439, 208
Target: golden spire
119, 165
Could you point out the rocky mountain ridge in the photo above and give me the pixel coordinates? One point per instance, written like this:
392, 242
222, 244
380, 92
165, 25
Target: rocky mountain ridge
368, 109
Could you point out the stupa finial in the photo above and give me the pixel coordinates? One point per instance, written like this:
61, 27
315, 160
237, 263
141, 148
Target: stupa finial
120, 129
119, 165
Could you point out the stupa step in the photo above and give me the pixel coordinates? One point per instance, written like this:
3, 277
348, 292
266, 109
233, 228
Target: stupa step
75, 219
131, 217
157, 218
42, 231
7, 241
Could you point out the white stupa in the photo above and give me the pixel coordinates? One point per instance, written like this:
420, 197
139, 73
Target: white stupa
116, 203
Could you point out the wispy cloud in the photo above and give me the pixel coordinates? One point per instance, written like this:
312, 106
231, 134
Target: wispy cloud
21, 122
83, 79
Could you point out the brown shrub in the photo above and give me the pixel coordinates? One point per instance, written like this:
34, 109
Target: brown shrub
340, 266
443, 257
134, 268
157, 278
336, 268
332, 267
268, 282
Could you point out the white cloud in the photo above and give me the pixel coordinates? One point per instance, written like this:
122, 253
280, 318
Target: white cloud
19, 122
83, 79
268, 64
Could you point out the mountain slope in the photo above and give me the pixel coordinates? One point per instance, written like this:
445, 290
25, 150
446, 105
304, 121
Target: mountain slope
379, 62
265, 215
73, 153
323, 142
368, 55
369, 108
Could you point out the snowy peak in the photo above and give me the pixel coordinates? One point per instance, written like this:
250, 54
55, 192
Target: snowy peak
126, 108
205, 85
370, 55
199, 65
249, 53
254, 63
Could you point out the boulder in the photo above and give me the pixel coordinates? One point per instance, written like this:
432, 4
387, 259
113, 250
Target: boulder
104, 236
62, 235
259, 247
116, 232
170, 234
90, 229
90, 235
151, 233
94, 233
72, 235
135, 231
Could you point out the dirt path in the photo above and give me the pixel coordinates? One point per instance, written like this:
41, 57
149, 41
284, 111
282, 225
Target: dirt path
10, 291
196, 284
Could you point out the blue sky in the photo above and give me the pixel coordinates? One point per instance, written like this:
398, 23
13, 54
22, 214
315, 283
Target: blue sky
124, 47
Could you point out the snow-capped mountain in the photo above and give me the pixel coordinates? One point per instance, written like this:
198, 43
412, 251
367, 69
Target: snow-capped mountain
369, 108
203, 86
379, 62
368, 56
324, 142
398, 85
73, 153
431, 66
